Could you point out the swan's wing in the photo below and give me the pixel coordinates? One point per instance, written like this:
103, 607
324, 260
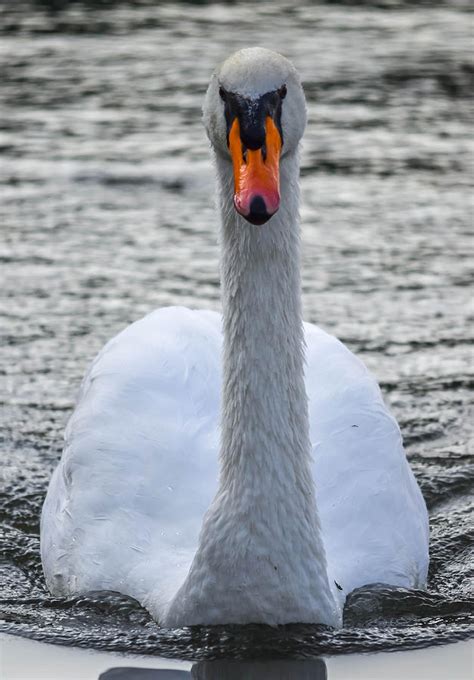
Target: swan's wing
373, 515
139, 468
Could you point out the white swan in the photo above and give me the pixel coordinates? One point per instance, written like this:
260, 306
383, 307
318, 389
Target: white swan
311, 495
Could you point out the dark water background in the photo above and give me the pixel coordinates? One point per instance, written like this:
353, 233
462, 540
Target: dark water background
106, 211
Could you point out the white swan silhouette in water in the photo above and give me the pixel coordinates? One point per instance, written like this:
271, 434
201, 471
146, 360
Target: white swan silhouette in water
244, 468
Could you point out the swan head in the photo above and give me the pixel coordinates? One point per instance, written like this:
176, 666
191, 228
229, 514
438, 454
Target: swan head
255, 114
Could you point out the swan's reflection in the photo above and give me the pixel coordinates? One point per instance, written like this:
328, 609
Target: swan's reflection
287, 669
124, 673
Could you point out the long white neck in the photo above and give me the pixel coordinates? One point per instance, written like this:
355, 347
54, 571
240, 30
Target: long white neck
265, 429
261, 556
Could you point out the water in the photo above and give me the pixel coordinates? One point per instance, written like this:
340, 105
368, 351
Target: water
107, 211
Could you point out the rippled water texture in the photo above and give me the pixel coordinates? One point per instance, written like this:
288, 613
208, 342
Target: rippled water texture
107, 212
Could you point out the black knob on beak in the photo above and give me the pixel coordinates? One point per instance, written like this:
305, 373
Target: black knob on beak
258, 211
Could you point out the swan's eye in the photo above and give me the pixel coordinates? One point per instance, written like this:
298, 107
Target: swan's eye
282, 92
222, 94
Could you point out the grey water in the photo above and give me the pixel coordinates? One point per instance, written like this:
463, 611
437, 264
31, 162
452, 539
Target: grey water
107, 211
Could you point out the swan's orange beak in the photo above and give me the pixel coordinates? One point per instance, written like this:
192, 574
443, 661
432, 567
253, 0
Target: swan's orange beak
256, 174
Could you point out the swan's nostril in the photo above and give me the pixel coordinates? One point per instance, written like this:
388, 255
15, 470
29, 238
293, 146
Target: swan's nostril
258, 213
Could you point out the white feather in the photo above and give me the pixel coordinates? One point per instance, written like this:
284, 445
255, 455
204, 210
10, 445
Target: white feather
140, 466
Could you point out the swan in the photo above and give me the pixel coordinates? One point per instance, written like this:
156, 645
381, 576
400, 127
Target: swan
241, 468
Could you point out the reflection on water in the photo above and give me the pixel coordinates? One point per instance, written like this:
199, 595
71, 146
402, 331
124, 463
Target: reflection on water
107, 211
305, 669
127, 673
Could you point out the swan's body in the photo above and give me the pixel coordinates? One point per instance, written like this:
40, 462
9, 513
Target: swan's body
142, 503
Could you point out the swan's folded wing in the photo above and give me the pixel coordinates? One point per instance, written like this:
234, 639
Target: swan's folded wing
373, 516
139, 468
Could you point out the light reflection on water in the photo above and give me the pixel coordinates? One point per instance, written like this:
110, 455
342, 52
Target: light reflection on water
107, 209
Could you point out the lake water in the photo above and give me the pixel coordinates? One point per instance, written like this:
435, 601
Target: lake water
107, 211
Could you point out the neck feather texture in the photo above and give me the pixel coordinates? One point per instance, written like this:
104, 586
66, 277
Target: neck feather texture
265, 428
261, 557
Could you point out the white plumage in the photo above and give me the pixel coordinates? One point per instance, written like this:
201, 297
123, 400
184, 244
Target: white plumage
141, 465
